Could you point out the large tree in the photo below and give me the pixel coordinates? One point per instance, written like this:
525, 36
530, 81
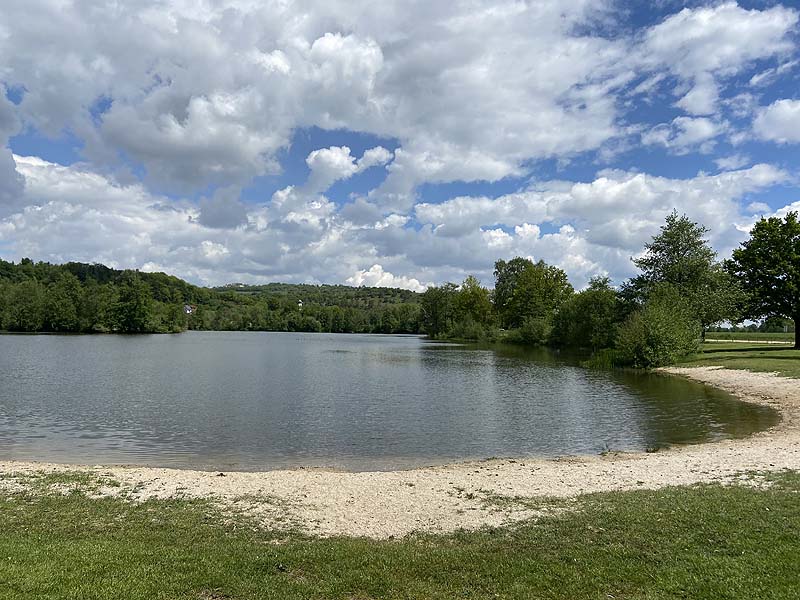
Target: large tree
680, 256
527, 290
590, 318
134, 307
768, 267
437, 303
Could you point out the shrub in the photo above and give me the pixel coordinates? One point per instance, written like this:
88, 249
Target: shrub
659, 333
535, 331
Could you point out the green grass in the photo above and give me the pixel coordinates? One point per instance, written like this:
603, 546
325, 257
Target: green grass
696, 542
752, 357
753, 336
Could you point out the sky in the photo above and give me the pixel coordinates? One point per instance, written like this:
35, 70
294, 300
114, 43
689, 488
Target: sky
389, 143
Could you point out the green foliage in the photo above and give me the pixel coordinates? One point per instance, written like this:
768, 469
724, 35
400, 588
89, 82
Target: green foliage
94, 298
62, 303
528, 290
768, 266
473, 302
661, 332
25, 310
132, 312
681, 257
590, 318
438, 305
535, 331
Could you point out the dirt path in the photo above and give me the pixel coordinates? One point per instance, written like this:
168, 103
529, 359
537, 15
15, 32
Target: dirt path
440, 499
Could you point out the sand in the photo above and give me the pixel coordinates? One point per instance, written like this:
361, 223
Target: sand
465, 495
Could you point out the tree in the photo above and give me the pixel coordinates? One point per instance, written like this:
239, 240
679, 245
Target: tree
681, 257
62, 303
768, 267
473, 302
437, 308
26, 311
590, 318
134, 306
661, 332
525, 290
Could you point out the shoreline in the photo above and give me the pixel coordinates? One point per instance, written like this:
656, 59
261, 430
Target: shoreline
468, 495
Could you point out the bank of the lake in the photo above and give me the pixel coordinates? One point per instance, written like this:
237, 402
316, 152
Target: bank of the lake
452, 497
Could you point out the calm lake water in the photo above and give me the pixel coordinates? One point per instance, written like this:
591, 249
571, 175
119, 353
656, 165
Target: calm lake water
252, 401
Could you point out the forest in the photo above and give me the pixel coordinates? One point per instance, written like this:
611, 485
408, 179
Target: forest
84, 298
681, 291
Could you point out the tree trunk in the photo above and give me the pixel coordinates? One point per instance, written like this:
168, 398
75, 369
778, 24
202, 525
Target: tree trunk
797, 331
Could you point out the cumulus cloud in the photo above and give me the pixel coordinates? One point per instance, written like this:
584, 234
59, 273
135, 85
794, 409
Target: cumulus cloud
223, 210
329, 165
586, 228
375, 276
779, 122
201, 98
705, 46
11, 182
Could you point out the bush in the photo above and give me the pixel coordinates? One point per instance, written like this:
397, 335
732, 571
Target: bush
659, 333
535, 331
467, 330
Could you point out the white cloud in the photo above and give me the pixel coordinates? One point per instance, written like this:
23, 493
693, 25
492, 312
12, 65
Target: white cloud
685, 134
704, 46
205, 95
223, 209
374, 157
329, 165
586, 228
733, 162
208, 94
779, 122
375, 276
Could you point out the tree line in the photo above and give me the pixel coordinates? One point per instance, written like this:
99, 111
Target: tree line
93, 298
682, 290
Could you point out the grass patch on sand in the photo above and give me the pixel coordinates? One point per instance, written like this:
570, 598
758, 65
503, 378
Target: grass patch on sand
708, 541
752, 357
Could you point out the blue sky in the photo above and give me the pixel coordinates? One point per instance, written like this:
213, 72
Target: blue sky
404, 145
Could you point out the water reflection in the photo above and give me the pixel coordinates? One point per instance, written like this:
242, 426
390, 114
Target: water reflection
267, 400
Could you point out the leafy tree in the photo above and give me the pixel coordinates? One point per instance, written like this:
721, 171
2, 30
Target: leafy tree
681, 257
473, 302
26, 311
62, 303
590, 318
134, 307
528, 290
437, 308
768, 267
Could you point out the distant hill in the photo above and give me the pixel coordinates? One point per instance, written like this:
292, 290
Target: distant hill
80, 297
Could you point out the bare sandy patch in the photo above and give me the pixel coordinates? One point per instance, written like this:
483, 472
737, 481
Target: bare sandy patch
465, 495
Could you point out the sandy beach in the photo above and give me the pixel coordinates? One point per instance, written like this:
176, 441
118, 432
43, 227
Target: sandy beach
464, 495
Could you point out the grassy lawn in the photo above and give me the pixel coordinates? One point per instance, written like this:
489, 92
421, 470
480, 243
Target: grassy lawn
697, 542
757, 336
753, 357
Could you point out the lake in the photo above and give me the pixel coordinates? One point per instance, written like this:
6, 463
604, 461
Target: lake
258, 401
